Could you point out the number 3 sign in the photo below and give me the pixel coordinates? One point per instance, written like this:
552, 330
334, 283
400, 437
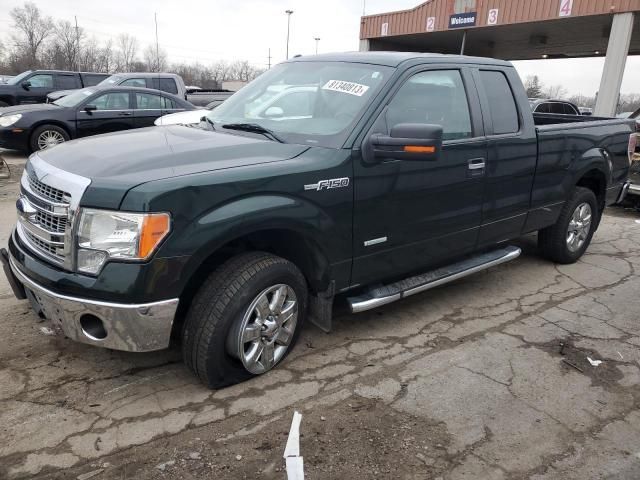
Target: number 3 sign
565, 8
492, 19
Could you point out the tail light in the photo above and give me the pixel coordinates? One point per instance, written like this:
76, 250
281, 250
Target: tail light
633, 142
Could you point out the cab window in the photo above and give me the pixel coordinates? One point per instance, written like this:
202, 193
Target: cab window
41, 81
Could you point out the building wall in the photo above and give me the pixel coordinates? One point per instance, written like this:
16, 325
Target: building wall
510, 11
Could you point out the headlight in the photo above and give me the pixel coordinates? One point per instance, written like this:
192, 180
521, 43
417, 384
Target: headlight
9, 120
105, 234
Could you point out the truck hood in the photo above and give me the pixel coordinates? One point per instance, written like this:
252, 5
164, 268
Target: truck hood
53, 96
120, 161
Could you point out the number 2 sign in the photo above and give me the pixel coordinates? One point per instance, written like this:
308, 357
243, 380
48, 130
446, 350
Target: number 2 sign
431, 24
565, 8
492, 19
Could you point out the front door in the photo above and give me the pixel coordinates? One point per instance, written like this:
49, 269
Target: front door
39, 86
112, 113
413, 214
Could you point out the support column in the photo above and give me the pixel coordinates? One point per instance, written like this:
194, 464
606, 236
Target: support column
617, 53
364, 45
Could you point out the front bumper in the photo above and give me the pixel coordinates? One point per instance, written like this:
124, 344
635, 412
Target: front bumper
129, 327
12, 139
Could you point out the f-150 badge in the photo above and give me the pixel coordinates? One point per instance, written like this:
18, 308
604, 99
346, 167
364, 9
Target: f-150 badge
328, 184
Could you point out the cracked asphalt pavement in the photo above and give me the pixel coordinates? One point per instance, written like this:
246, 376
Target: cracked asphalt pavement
486, 378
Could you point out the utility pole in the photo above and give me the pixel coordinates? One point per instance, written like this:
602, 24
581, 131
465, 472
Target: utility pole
269, 58
288, 12
317, 39
364, 7
77, 44
155, 16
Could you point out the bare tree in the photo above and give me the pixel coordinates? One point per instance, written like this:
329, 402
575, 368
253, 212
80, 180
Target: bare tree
127, 50
32, 29
68, 40
554, 92
156, 60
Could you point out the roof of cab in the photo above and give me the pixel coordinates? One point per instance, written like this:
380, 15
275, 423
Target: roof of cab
393, 59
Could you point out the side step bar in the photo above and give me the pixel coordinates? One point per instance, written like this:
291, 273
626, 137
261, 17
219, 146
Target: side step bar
383, 295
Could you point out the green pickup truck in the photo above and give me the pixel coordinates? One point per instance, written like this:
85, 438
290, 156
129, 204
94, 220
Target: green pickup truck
369, 176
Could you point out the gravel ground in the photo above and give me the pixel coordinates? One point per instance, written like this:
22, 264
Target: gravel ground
486, 378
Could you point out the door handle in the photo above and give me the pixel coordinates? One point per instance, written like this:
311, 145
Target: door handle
125, 114
476, 164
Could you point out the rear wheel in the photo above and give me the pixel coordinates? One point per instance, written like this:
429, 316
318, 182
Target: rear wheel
568, 239
47, 136
245, 319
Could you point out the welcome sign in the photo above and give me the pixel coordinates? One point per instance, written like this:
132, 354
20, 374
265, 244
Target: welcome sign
462, 20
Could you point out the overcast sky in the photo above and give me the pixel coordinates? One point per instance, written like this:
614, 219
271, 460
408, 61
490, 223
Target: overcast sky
209, 30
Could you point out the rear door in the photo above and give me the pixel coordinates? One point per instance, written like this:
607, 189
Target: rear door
67, 81
147, 108
511, 154
413, 214
40, 85
113, 113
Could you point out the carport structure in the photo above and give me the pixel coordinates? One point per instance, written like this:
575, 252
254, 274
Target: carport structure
517, 30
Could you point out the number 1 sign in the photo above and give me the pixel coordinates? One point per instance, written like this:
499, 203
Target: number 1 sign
565, 8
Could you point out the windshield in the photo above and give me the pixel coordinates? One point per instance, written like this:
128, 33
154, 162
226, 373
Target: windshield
17, 79
306, 102
74, 99
112, 80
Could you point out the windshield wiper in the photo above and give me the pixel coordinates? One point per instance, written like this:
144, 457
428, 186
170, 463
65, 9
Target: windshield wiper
255, 128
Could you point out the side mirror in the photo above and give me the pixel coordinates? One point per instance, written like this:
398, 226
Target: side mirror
408, 141
26, 85
274, 112
90, 108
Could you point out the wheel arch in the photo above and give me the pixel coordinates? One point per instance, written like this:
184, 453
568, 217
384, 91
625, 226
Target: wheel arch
56, 123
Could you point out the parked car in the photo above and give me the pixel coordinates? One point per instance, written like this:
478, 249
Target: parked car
634, 174
191, 117
5, 78
411, 171
33, 86
167, 82
202, 97
558, 107
585, 110
89, 111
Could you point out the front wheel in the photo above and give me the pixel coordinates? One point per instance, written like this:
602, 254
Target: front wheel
245, 319
568, 239
47, 136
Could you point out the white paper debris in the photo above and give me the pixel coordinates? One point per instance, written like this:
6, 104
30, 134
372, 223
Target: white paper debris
620, 355
47, 331
594, 363
295, 465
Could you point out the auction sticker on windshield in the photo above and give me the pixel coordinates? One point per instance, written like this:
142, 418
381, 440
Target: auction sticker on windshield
346, 87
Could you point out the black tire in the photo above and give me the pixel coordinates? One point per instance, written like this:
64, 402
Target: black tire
33, 140
220, 304
3, 104
553, 240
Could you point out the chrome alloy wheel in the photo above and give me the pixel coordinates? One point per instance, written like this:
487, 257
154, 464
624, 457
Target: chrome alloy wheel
263, 336
49, 138
579, 227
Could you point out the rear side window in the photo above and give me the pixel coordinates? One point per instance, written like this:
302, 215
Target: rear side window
569, 110
168, 104
165, 84
502, 105
66, 82
91, 80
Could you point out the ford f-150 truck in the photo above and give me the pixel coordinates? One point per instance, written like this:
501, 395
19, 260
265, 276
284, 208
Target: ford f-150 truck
392, 174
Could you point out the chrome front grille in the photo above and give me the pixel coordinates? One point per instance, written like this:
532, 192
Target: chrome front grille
47, 191
46, 210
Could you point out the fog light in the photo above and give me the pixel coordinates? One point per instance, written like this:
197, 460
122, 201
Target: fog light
91, 261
